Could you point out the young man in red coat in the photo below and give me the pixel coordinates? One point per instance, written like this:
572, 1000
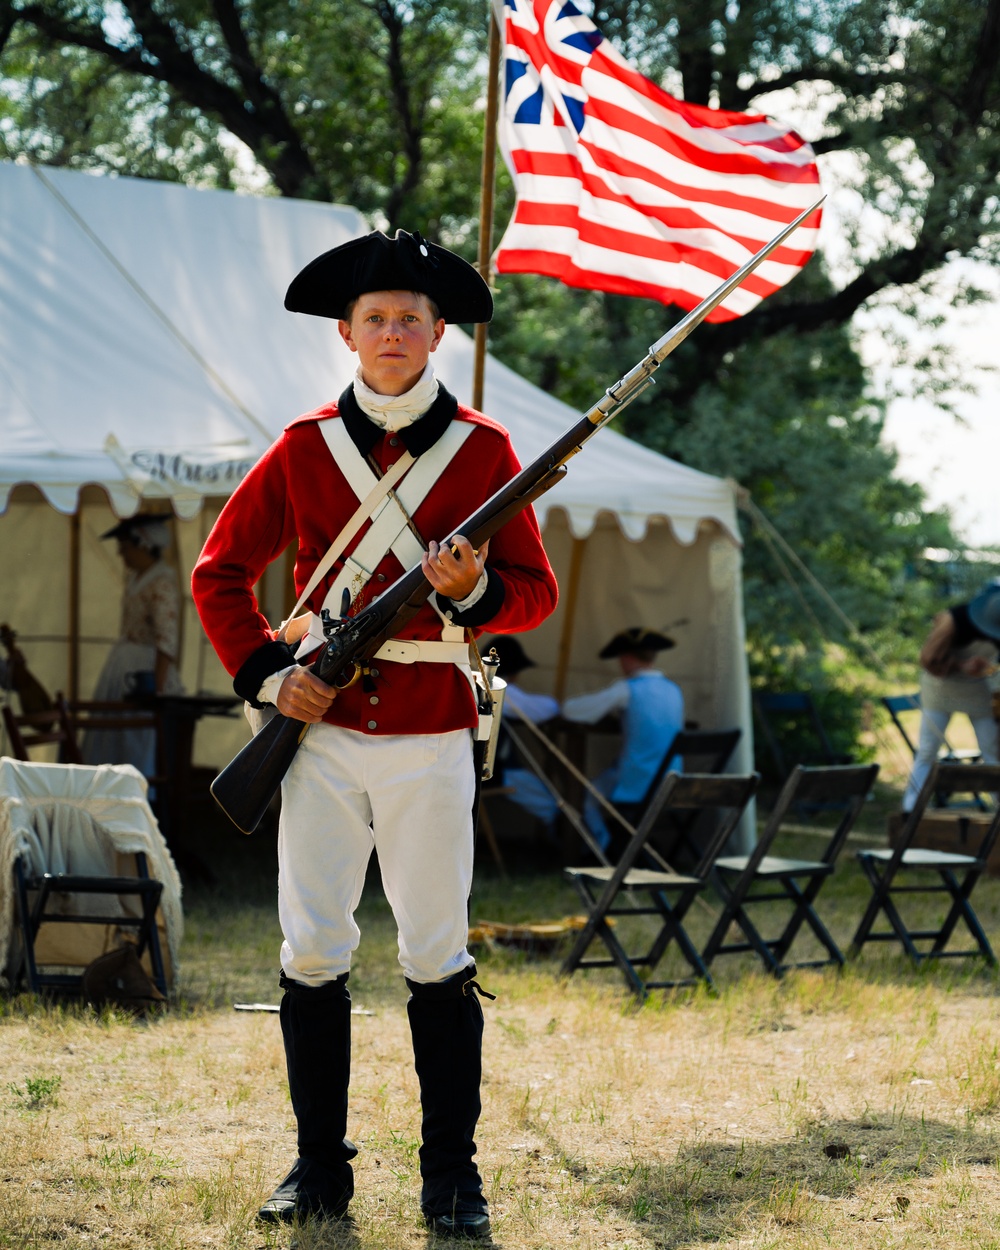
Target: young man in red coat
386, 763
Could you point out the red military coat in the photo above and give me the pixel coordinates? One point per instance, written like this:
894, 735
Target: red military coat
296, 490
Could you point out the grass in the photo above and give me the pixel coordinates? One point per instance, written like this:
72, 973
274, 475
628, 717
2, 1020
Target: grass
857, 1110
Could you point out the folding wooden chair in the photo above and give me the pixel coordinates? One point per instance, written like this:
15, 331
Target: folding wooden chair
699, 751
95, 714
102, 715
956, 874
746, 881
52, 727
719, 802
794, 716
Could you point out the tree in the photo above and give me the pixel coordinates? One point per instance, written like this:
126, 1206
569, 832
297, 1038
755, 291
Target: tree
375, 103
378, 103
368, 103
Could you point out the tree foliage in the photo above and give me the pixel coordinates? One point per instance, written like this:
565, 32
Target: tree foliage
375, 103
369, 103
378, 103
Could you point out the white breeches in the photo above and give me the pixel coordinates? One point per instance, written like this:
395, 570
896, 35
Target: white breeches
932, 730
410, 796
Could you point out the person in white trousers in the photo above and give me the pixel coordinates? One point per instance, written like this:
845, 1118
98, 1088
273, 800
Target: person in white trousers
958, 663
387, 762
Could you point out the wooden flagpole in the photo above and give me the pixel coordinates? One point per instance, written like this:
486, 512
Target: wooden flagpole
486, 199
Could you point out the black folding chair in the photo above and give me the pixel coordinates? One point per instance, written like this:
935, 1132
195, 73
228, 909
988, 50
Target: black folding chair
701, 750
897, 705
77, 882
34, 892
718, 802
746, 881
932, 871
705, 751
794, 717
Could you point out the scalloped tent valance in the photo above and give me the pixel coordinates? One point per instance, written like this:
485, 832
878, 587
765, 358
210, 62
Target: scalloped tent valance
144, 348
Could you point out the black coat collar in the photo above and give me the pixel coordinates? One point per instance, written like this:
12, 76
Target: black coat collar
417, 438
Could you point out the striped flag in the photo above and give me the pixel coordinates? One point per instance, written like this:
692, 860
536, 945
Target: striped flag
622, 188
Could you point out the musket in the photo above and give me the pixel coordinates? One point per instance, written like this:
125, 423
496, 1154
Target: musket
245, 787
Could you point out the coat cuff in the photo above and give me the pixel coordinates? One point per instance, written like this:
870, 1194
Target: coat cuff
483, 610
268, 659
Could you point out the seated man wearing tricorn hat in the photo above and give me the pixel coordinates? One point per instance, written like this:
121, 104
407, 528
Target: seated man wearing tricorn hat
387, 762
651, 707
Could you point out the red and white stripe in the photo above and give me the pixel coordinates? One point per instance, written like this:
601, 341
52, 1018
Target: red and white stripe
622, 188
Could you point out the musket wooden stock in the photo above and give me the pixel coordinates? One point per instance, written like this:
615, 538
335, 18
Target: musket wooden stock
247, 784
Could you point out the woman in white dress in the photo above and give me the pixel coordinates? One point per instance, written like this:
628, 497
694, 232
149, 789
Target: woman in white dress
144, 659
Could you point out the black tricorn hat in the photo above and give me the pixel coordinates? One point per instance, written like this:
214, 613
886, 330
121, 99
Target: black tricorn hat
141, 521
510, 654
984, 610
630, 641
377, 263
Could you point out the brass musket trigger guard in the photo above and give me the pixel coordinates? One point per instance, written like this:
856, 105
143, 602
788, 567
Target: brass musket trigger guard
346, 685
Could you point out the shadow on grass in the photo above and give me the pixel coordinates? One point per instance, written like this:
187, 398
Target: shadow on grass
849, 1170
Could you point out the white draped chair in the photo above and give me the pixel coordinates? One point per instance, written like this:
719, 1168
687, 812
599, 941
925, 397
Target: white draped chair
84, 869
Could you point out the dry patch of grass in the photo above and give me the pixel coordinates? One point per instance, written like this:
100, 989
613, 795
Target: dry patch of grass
857, 1110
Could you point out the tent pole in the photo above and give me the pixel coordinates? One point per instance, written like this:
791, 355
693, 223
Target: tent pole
73, 681
486, 201
569, 616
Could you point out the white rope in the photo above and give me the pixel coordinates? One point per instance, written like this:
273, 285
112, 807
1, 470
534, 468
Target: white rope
767, 527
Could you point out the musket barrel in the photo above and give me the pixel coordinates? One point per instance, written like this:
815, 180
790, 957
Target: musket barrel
627, 387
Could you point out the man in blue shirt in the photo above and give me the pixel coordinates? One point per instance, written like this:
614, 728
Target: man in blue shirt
651, 707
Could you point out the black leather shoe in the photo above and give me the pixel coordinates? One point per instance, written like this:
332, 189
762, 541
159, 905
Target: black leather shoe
309, 1189
466, 1227
467, 1219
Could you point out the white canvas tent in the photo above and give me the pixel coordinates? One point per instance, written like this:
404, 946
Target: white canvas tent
146, 360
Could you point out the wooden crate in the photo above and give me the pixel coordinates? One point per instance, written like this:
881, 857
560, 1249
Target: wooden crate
950, 829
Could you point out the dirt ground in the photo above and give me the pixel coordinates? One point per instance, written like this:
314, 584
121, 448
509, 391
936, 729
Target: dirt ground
855, 1109
826, 1109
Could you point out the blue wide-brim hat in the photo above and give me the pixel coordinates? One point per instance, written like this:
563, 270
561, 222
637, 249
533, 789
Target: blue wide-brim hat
328, 284
984, 610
